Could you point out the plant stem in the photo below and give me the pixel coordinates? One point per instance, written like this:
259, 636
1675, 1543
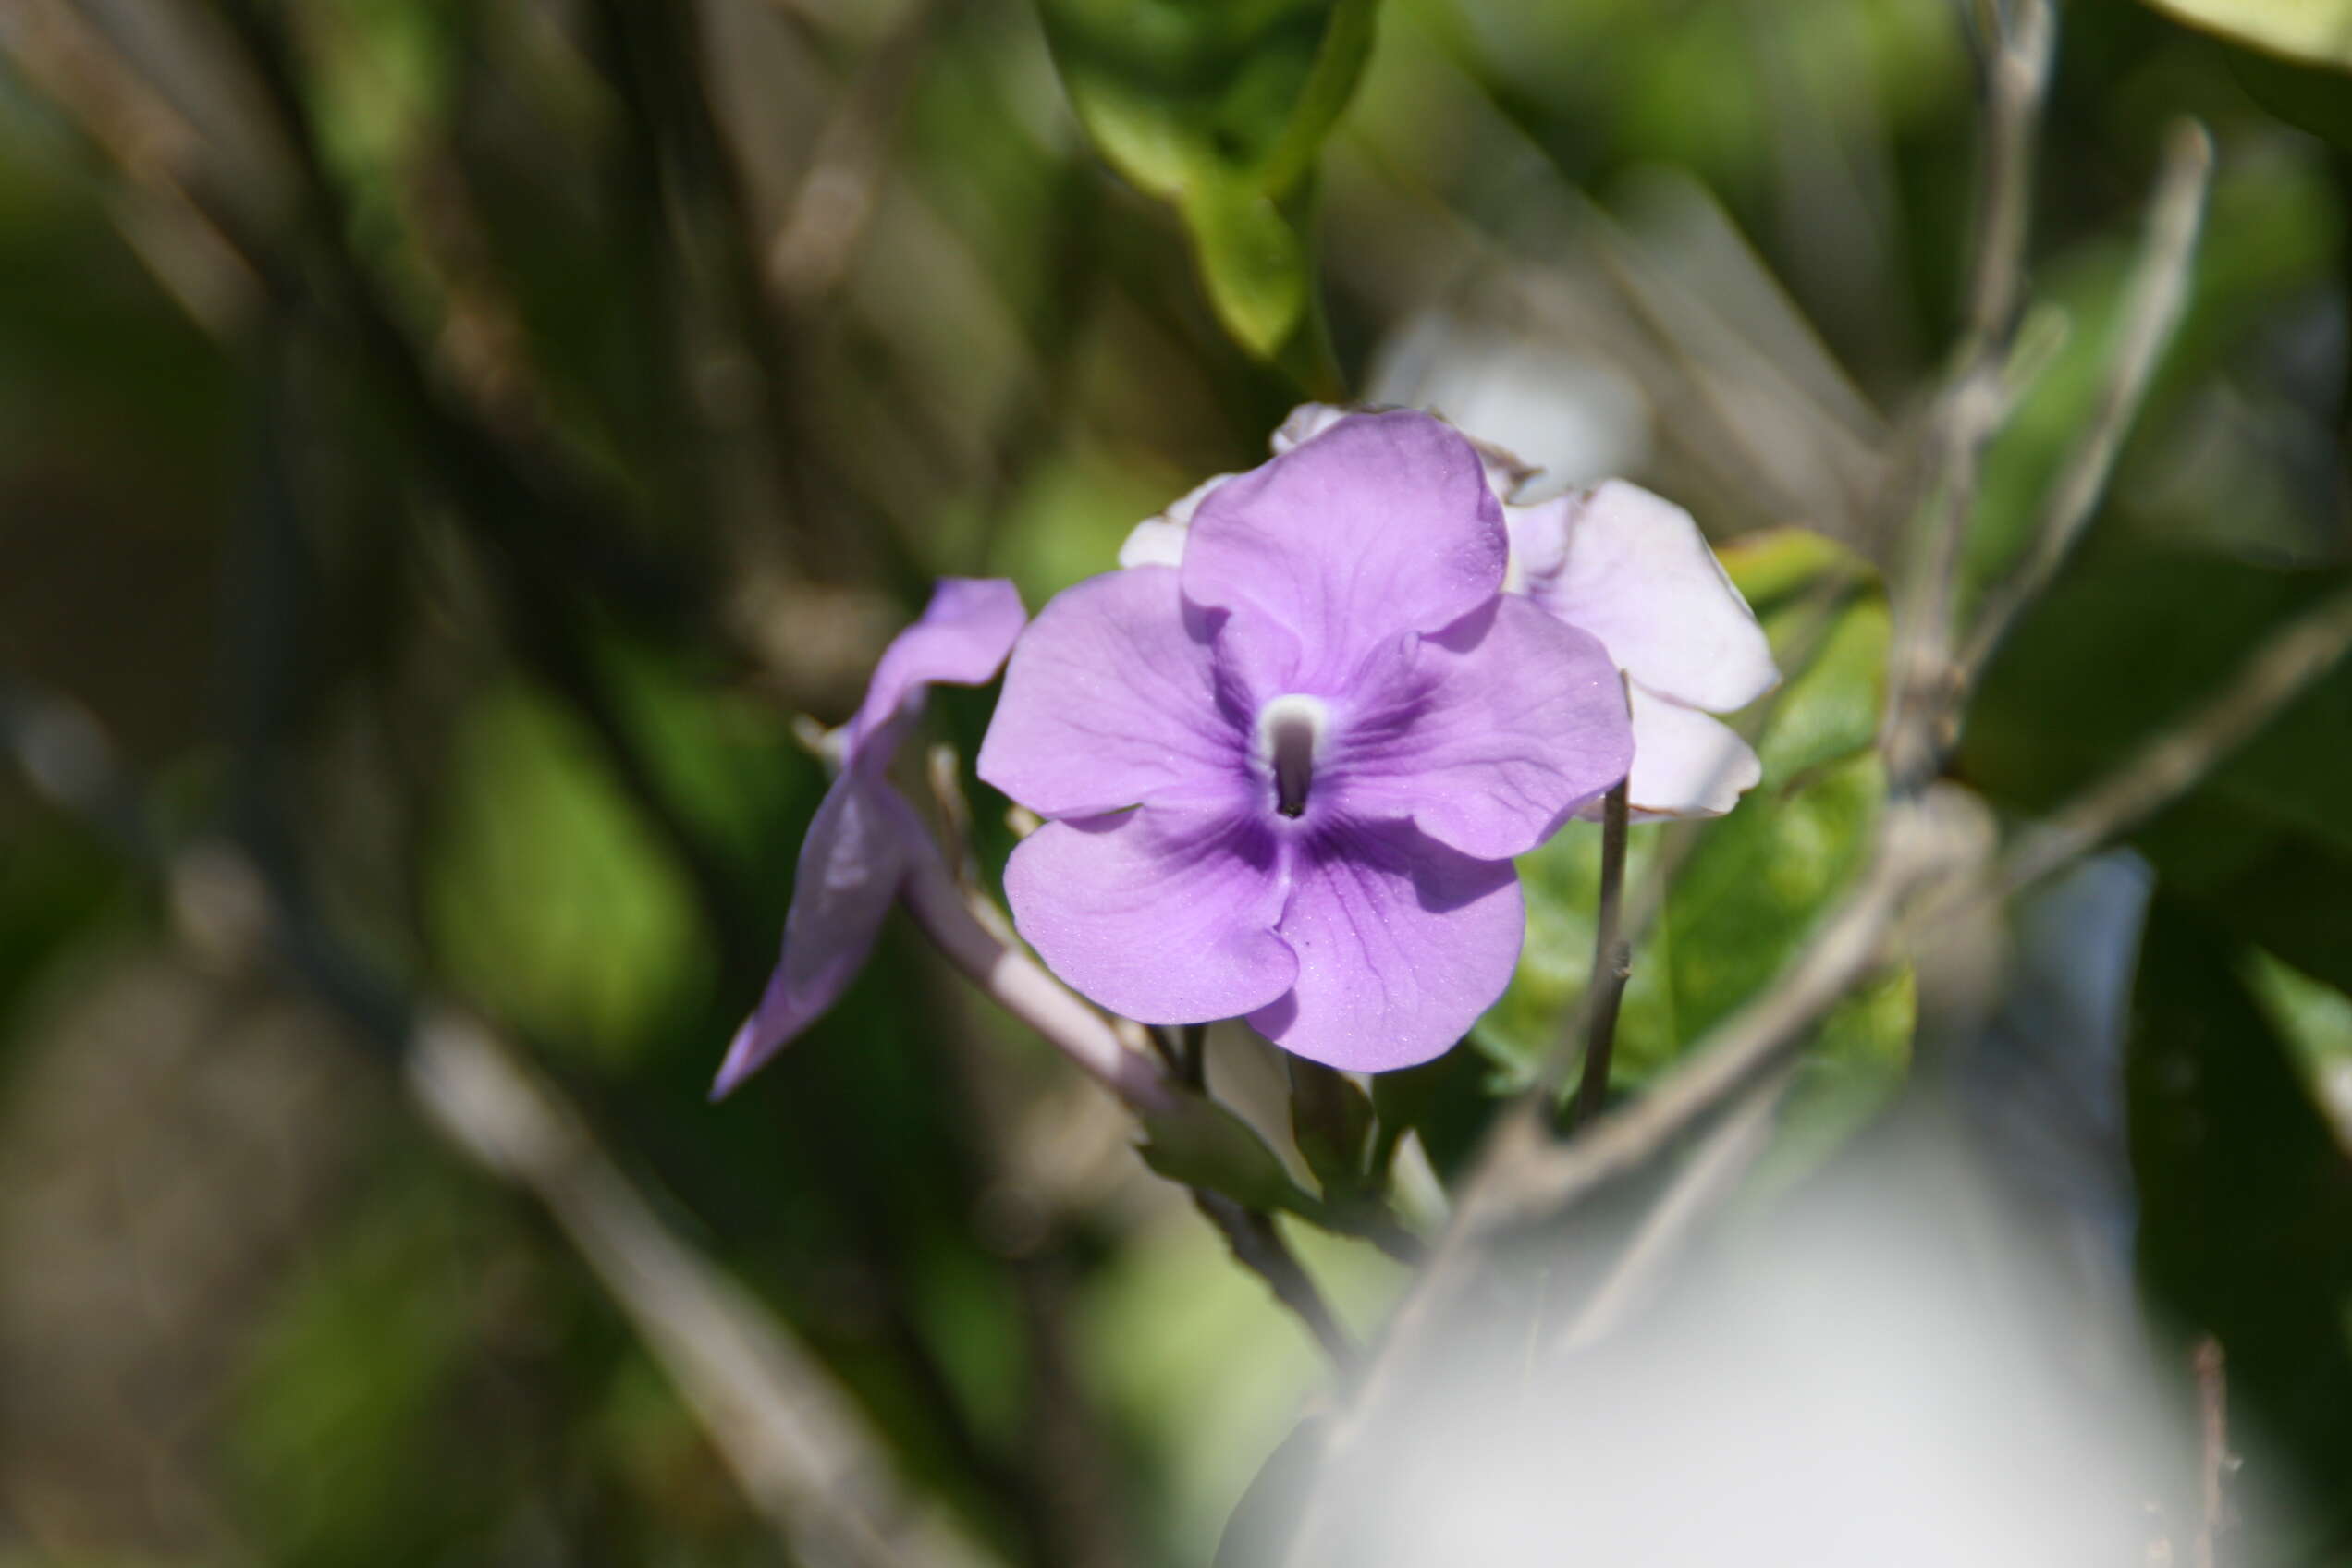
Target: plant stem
1613, 959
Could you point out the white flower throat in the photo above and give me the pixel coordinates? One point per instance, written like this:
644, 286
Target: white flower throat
1291, 731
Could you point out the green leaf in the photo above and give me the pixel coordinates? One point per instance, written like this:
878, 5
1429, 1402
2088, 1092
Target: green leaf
2267, 235
2316, 30
2246, 1218
548, 898
1254, 263
1751, 888
2127, 644
1447, 1102
2315, 1019
1200, 1144
1220, 106
1331, 1123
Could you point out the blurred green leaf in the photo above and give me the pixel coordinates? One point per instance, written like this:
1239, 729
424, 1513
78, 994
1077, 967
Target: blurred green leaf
1254, 262
1220, 106
2126, 644
1331, 1123
2245, 1216
1445, 1102
343, 1418
548, 898
1201, 1144
2309, 97
2315, 1019
2317, 30
2267, 232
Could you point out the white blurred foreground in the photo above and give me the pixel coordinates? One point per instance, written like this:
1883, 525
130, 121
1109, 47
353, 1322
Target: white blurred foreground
1889, 1374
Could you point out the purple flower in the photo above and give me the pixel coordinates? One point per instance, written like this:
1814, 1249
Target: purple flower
1284, 780
1632, 569
864, 838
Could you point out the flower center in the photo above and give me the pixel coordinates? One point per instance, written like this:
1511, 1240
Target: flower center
1290, 737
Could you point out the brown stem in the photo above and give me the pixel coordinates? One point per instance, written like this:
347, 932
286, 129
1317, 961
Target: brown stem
1613, 959
1259, 1247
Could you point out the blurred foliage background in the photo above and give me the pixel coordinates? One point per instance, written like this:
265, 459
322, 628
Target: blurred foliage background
445, 442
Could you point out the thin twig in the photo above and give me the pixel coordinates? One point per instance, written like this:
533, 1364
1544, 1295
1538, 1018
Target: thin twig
2151, 311
1860, 937
2216, 1462
2017, 75
1613, 959
1259, 1247
834, 201
1849, 948
1923, 688
2171, 763
793, 1440
1192, 1054
1714, 1169
974, 936
193, 250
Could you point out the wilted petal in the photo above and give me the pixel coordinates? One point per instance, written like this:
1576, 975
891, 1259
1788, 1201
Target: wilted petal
1111, 699
849, 869
1684, 762
1155, 541
1164, 914
961, 639
1489, 736
1400, 944
859, 841
1382, 524
1504, 470
1632, 569
1305, 422
1159, 540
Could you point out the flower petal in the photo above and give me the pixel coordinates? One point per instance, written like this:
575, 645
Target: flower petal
850, 865
1381, 524
1400, 944
1165, 915
1304, 423
1506, 471
1111, 699
962, 638
1158, 540
1155, 541
1632, 569
1488, 736
1684, 762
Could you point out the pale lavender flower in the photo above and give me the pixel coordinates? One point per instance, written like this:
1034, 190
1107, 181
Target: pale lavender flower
1284, 780
864, 838
1632, 569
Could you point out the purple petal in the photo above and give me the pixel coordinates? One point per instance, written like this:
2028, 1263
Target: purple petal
1111, 699
962, 638
1163, 914
1489, 736
850, 865
1382, 524
855, 854
1632, 569
1402, 943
